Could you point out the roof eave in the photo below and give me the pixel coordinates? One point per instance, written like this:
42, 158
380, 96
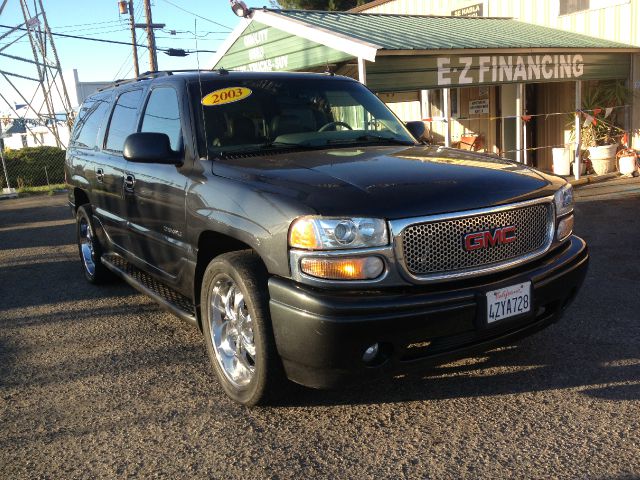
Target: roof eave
337, 41
490, 51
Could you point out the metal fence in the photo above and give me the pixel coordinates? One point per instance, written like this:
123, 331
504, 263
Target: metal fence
32, 168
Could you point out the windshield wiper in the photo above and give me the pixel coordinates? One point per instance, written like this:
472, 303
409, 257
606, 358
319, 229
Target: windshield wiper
384, 138
254, 148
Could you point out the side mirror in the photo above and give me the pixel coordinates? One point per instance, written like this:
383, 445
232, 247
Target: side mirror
148, 147
417, 129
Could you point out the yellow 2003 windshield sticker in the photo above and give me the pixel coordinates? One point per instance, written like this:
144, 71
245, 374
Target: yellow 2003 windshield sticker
225, 95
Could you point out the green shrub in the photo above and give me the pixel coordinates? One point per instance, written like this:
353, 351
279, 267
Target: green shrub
30, 166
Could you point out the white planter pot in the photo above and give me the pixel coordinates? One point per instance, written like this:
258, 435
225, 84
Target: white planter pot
603, 158
627, 164
561, 161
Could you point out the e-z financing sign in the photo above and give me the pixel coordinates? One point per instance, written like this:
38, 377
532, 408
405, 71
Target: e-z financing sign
508, 68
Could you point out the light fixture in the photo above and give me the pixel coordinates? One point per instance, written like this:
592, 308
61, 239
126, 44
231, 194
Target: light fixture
123, 7
240, 8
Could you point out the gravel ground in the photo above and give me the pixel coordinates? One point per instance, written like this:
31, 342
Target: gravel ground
98, 382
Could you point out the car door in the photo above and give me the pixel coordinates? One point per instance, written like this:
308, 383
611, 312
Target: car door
113, 211
101, 172
156, 201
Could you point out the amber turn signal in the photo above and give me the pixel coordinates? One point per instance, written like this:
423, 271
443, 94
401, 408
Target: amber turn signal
365, 268
303, 235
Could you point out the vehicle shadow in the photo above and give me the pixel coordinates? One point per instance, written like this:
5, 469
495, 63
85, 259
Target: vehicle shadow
51, 282
539, 363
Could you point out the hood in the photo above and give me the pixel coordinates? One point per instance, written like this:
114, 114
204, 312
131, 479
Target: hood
389, 182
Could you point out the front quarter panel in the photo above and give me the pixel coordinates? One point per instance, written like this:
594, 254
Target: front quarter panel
240, 210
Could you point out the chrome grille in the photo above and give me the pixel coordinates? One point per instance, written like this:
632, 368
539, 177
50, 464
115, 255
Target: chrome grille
437, 247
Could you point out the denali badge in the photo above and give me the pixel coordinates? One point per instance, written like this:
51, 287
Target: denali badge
489, 238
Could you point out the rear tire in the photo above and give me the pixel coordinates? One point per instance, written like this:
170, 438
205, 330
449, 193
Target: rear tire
89, 248
237, 328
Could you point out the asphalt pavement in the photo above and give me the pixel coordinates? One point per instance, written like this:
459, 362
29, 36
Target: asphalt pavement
98, 382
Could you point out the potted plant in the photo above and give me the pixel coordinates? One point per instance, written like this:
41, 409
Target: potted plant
602, 136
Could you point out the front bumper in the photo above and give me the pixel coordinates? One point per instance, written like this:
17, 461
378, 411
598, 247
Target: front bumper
321, 334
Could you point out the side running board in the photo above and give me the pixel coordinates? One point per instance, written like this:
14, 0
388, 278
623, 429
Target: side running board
166, 297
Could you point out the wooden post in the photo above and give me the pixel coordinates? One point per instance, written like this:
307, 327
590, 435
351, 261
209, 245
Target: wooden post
446, 100
362, 71
519, 101
151, 38
134, 40
577, 127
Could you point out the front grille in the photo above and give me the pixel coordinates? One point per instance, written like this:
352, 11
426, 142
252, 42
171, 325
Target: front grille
437, 247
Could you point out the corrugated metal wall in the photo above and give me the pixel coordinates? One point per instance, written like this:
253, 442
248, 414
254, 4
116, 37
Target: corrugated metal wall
620, 23
617, 20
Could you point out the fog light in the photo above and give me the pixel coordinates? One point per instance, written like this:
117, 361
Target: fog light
371, 353
365, 268
565, 228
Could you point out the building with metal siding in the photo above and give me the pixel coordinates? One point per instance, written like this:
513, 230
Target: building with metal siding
464, 75
615, 20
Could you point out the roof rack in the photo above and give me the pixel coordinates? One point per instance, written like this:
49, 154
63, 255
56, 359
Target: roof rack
152, 75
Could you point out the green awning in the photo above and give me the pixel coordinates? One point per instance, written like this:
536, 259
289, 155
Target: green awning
408, 52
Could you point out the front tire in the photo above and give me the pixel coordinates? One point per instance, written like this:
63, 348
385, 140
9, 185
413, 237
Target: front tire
89, 248
237, 328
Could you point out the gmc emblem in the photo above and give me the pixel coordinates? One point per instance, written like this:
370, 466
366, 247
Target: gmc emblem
490, 238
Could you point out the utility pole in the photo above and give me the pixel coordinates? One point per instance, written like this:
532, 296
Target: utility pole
134, 41
123, 7
151, 37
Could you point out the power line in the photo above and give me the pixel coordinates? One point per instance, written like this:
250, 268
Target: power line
78, 37
196, 15
83, 24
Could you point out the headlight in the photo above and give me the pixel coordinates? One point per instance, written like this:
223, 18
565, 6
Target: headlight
563, 199
317, 233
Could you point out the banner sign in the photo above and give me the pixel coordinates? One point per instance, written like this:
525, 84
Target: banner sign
415, 72
508, 68
470, 11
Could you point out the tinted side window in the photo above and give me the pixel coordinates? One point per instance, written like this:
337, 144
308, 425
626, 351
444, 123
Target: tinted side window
90, 118
162, 115
123, 120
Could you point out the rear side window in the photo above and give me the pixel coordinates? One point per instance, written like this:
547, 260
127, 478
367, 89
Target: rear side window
162, 115
123, 120
89, 120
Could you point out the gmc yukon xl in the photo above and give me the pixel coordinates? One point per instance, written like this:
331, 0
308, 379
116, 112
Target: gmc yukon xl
306, 231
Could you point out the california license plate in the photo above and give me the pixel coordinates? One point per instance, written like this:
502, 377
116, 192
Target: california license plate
508, 302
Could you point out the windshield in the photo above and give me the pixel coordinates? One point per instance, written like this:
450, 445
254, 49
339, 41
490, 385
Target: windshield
253, 114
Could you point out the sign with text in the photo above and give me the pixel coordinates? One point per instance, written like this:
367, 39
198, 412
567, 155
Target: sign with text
508, 68
470, 11
477, 107
261, 48
415, 72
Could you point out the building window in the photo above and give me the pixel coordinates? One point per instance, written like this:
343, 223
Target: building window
435, 103
573, 6
568, 7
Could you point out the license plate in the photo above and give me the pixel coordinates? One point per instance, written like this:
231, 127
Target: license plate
508, 302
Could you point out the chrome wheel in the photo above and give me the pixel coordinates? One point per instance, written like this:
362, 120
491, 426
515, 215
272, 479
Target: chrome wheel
86, 246
232, 331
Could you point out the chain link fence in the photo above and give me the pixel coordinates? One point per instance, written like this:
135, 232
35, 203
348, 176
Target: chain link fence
32, 169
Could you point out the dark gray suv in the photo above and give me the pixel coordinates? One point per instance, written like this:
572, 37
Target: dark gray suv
307, 233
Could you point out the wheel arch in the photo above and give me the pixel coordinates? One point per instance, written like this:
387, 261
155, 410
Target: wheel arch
80, 197
210, 245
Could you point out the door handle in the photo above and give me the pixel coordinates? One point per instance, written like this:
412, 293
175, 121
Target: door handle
100, 175
129, 182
